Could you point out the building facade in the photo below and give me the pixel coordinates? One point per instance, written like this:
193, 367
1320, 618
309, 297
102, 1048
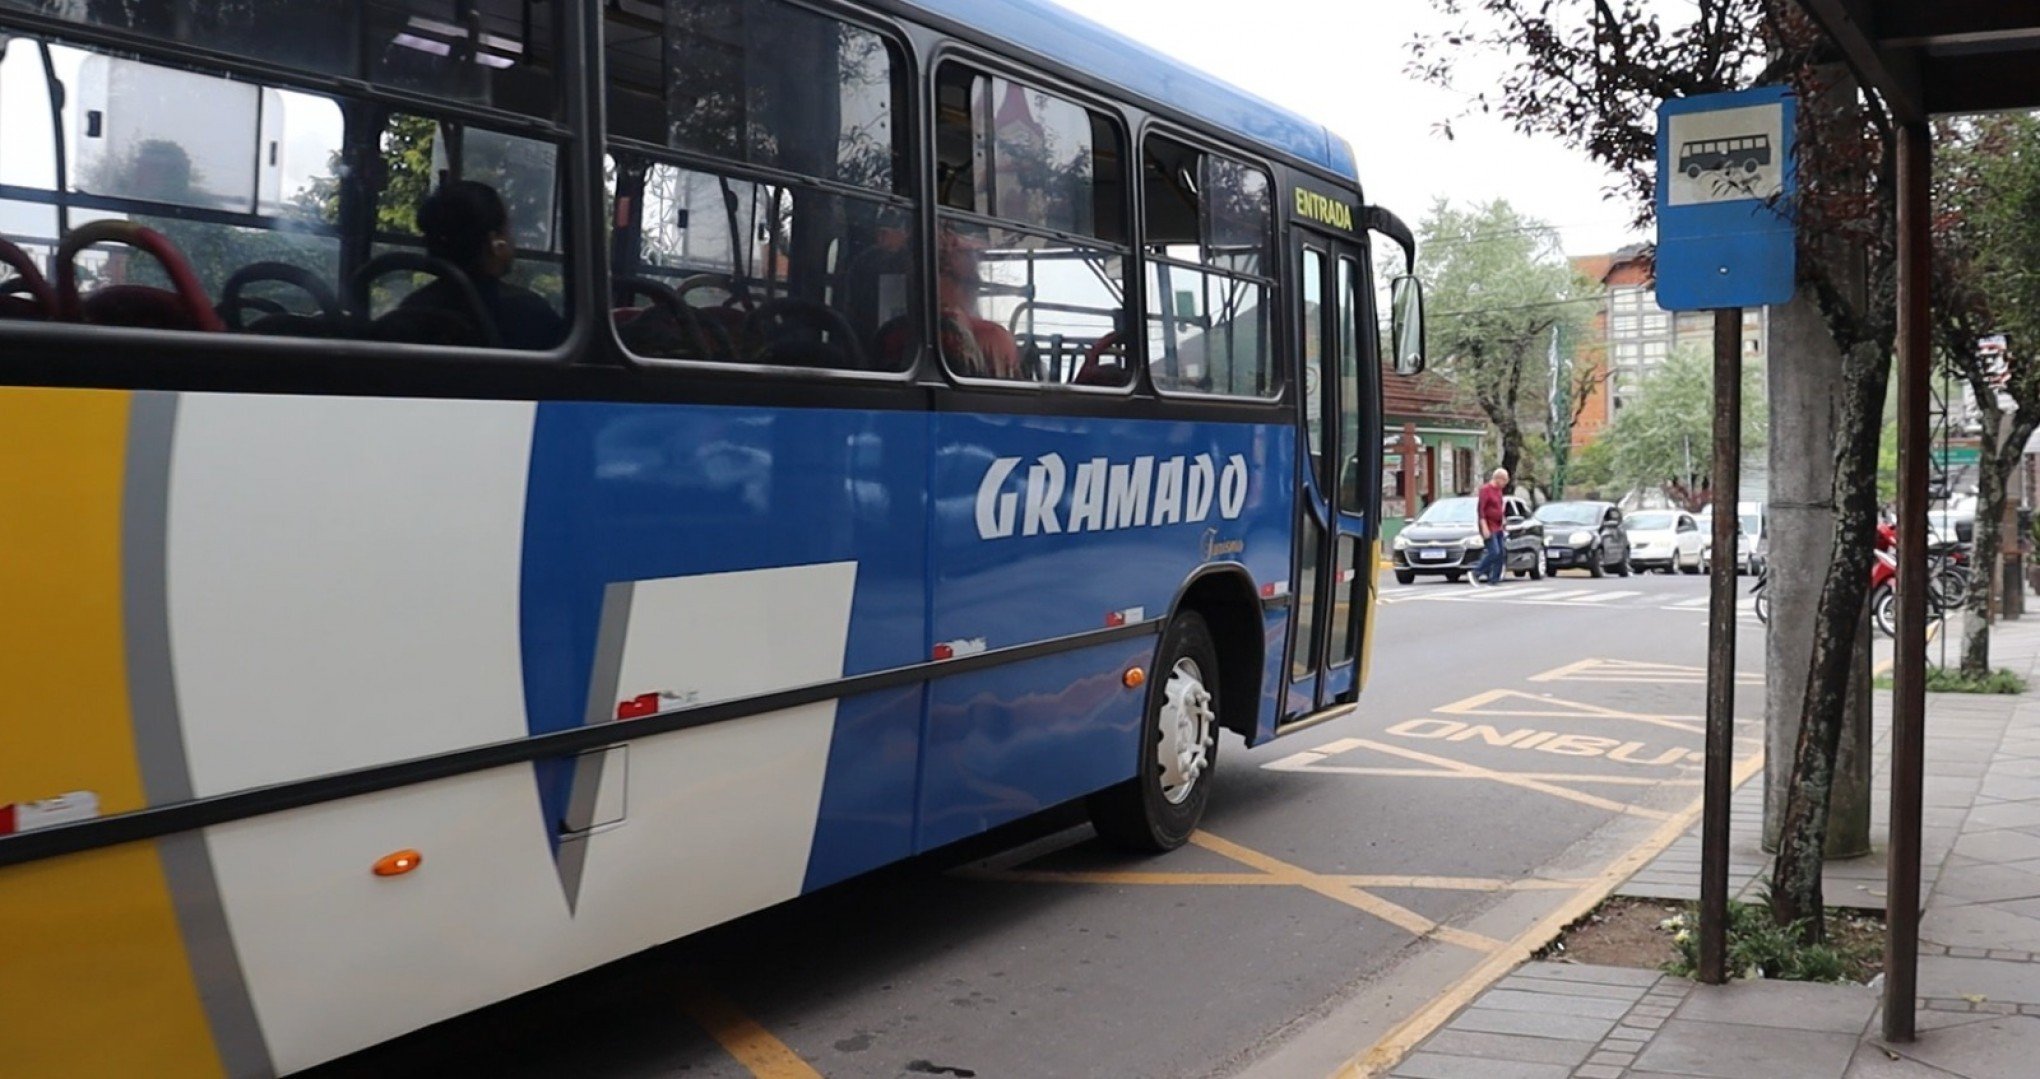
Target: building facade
1431, 447
1631, 336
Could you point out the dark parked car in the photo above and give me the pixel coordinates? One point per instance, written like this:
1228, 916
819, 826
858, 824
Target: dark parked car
1446, 540
1584, 535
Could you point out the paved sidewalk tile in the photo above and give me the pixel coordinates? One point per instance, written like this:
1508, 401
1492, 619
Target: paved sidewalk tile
1993, 980
1733, 1051
1530, 1050
1589, 972
1568, 1027
2007, 1047
1839, 1009
1429, 1065
1514, 1000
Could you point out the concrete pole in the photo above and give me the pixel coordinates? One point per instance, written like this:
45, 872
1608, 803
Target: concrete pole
1804, 366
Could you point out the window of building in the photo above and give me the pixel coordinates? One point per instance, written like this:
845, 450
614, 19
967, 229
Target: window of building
1031, 272
758, 187
1208, 235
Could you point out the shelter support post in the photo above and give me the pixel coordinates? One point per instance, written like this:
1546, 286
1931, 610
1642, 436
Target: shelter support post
1908, 704
1715, 789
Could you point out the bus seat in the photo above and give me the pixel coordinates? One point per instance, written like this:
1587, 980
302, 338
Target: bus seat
275, 319
183, 306
26, 295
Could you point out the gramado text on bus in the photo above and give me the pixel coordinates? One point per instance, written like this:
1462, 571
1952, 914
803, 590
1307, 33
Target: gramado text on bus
1106, 496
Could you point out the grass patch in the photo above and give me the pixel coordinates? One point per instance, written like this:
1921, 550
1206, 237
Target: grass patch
1952, 680
1759, 948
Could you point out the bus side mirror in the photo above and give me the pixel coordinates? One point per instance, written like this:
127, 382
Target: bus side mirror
1406, 324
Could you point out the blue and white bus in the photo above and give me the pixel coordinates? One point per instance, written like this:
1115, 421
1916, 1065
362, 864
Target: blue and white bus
491, 486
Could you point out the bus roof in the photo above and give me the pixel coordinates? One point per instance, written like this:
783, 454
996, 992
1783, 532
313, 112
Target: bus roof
1062, 35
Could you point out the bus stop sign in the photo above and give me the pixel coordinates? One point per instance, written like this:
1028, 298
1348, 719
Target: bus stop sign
1726, 179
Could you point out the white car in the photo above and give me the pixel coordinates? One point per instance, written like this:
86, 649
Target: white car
1665, 539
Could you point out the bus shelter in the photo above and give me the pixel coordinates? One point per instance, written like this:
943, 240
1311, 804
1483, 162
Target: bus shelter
1925, 59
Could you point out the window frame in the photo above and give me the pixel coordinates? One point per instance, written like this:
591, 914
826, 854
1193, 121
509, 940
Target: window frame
1275, 258
1113, 112
579, 254
911, 84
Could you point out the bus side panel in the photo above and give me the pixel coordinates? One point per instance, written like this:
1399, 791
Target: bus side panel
1047, 527
307, 584
629, 493
1015, 740
94, 977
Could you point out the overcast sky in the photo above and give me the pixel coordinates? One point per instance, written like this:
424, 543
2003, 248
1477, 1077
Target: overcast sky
1341, 62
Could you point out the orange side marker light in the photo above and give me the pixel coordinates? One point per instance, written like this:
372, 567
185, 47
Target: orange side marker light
1135, 678
399, 863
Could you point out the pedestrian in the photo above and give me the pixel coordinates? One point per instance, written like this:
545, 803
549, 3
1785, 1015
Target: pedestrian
1494, 557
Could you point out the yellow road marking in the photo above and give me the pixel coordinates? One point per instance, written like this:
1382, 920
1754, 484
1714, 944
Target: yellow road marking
1623, 670
741, 1037
1399, 916
1515, 780
1285, 765
1350, 880
1554, 708
1384, 1054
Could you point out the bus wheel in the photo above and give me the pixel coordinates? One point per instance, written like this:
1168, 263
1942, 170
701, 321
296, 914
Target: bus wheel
1159, 807
1692, 172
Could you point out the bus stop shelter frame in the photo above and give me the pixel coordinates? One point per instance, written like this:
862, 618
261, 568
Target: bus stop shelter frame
1924, 58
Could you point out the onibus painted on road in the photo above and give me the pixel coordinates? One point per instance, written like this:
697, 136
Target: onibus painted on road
793, 436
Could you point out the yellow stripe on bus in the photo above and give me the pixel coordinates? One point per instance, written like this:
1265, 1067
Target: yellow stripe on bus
1372, 575
95, 980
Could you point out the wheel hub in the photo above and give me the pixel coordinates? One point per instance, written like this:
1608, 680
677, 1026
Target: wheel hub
1187, 725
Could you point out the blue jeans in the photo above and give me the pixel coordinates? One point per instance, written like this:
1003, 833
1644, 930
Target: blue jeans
1494, 559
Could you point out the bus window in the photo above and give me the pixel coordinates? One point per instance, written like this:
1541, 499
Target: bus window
1027, 181
188, 200
490, 52
1310, 313
1352, 497
1207, 233
808, 267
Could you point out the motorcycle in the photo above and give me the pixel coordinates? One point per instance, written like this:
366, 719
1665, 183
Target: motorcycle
1883, 586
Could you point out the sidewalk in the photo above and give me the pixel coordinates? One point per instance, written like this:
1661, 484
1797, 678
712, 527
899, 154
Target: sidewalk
1979, 972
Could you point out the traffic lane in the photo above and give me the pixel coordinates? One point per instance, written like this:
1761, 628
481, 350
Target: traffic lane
1067, 958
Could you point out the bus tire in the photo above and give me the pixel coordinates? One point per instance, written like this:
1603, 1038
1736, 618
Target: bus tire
1160, 806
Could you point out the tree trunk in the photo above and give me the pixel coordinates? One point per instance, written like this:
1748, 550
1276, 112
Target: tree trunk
1795, 878
1990, 515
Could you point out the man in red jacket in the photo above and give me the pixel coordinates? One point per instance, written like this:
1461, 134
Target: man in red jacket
1493, 531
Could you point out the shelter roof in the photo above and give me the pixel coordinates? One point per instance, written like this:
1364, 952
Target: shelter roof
1932, 57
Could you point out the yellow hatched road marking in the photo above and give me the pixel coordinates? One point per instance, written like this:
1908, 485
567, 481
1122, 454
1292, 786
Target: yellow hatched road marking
1515, 780
1554, 708
1350, 880
1383, 1055
1623, 670
741, 1037
1330, 888
1286, 765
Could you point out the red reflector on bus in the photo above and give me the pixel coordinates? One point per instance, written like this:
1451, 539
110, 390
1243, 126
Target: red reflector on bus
1268, 590
1115, 618
644, 704
943, 651
7, 819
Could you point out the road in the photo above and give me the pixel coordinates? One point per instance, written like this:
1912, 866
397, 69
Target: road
1516, 748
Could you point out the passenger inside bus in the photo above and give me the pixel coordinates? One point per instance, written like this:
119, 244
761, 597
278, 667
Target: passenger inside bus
466, 225
976, 347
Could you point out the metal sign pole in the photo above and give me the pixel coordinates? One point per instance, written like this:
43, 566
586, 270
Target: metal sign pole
1715, 789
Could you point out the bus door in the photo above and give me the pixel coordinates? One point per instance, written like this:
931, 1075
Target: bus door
1341, 467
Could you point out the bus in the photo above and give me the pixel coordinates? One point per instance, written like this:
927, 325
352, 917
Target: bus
493, 486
